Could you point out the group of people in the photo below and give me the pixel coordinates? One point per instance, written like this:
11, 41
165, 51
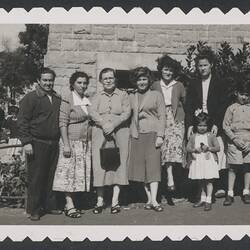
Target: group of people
158, 126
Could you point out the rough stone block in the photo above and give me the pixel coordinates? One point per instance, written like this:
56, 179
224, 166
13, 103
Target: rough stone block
110, 46
82, 29
109, 30
81, 58
53, 58
89, 69
125, 34
155, 41
88, 45
69, 45
189, 36
140, 37
109, 37
94, 37
61, 28
54, 42
64, 72
151, 50
243, 27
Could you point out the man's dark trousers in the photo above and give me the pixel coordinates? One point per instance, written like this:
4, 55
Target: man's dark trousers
41, 169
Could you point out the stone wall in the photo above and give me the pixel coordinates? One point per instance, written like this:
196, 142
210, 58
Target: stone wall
91, 47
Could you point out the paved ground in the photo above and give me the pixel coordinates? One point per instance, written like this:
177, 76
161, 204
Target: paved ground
180, 214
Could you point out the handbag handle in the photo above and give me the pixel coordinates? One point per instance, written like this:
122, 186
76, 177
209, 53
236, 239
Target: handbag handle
105, 141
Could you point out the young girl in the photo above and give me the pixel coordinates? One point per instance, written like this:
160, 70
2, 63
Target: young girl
203, 146
236, 125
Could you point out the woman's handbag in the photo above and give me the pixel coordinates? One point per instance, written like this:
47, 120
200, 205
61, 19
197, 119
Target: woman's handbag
110, 156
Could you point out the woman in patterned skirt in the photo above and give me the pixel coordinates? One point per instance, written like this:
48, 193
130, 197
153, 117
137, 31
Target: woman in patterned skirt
174, 96
74, 164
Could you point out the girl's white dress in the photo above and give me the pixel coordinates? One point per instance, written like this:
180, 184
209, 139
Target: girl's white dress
202, 166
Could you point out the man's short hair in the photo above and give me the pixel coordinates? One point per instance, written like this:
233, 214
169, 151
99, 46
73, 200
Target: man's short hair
47, 71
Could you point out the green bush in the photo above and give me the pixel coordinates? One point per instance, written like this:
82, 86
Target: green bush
12, 182
230, 65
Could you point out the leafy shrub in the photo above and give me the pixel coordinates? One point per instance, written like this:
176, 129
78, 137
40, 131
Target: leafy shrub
13, 181
229, 65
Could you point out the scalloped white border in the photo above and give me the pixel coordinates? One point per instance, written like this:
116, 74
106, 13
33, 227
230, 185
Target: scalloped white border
118, 16
119, 233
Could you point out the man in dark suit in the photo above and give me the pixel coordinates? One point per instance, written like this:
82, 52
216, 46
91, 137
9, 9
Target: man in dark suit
38, 125
207, 93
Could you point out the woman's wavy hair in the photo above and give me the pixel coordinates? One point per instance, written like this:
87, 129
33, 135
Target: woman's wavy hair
138, 72
169, 62
75, 76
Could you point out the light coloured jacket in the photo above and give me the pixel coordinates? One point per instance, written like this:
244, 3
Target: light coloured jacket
149, 116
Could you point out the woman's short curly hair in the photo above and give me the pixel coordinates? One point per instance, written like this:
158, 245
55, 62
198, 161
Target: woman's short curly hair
138, 72
169, 62
75, 76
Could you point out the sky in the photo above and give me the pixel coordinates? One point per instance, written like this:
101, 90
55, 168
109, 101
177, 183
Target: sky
10, 32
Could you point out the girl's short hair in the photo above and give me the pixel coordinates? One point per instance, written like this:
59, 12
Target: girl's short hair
169, 62
202, 117
75, 76
243, 86
138, 72
105, 70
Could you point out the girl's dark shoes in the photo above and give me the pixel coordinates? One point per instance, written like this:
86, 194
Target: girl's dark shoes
115, 209
34, 217
207, 206
228, 201
246, 198
98, 209
199, 204
170, 201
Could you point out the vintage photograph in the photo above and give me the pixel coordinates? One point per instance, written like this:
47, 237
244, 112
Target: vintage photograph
125, 124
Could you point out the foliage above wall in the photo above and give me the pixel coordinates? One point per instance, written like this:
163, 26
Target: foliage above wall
20, 68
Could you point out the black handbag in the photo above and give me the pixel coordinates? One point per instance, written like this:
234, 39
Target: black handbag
110, 157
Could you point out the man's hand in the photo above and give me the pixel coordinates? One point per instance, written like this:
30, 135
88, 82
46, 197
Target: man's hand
158, 142
214, 130
28, 149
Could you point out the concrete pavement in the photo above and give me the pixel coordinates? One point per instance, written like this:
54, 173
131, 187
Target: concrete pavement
180, 214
